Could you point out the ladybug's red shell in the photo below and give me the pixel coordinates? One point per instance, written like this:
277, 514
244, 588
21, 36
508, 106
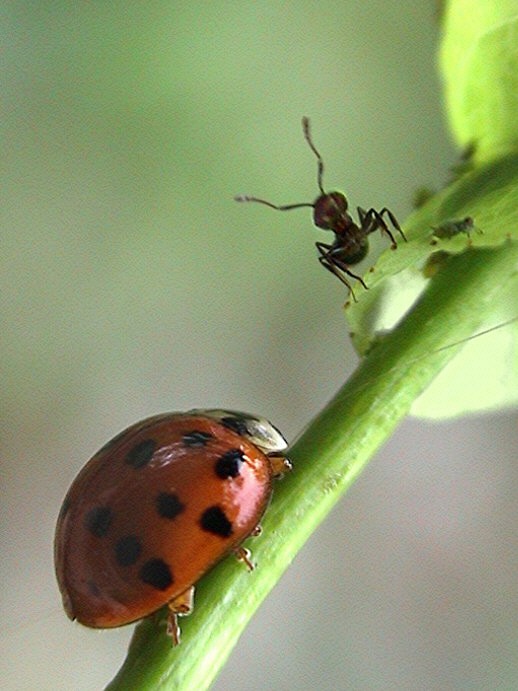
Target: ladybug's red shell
154, 509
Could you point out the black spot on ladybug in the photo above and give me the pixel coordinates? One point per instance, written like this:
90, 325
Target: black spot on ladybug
141, 453
195, 438
98, 520
229, 464
236, 424
157, 574
213, 520
127, 550
93, 589
168, 505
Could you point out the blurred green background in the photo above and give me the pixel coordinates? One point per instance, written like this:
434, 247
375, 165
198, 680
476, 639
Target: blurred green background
133, 284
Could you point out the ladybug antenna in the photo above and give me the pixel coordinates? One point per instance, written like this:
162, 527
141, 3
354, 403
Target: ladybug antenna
307, 136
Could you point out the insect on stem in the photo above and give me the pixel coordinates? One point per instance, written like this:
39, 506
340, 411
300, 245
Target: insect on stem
330, 212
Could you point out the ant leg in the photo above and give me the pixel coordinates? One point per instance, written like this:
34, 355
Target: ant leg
328, 253
334, 270
331, 264
371, 220
393, 220
361, 215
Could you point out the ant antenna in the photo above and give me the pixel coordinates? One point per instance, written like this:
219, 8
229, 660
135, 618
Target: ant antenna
288, 207
307, 136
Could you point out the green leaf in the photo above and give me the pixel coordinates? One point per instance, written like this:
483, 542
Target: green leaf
486, 372
479, 61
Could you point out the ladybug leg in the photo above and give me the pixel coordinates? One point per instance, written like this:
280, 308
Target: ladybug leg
173, 630
279, 465
182, 605
244, 555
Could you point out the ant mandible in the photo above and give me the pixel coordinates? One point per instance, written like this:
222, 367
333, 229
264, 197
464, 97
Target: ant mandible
351, 242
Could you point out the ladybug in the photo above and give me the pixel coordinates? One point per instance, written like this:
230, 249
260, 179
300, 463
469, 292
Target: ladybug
157, 507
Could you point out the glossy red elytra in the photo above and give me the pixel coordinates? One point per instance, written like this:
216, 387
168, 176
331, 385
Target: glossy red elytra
157, 507
330, 212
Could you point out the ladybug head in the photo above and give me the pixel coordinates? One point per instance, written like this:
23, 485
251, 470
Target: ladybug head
258, 430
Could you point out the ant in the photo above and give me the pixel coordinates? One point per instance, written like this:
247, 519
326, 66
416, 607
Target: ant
351, 242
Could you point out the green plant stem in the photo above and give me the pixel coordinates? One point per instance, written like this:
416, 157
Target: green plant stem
327, 457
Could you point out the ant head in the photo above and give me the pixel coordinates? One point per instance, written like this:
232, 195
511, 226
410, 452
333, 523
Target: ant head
330, 210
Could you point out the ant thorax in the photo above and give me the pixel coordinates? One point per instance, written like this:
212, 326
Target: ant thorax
350, 245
